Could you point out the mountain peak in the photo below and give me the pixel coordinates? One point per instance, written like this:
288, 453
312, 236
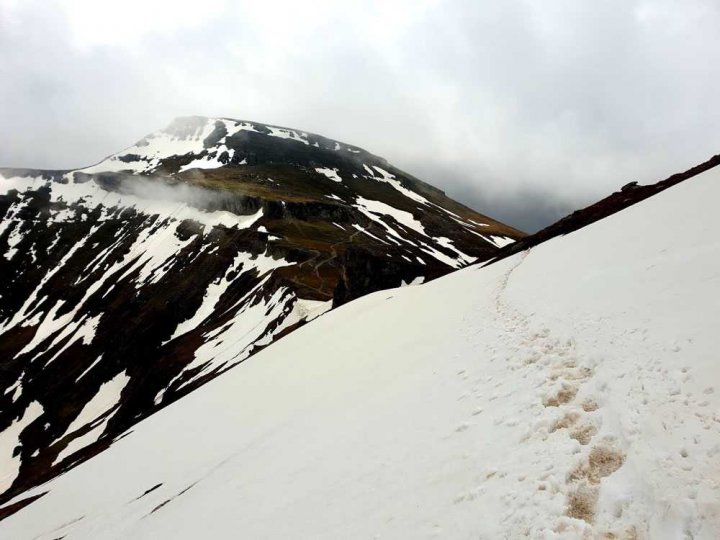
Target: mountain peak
197, 142
130, 283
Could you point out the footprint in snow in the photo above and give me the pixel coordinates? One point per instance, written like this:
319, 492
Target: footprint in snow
565, 395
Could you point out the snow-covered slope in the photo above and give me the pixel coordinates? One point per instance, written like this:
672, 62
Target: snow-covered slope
570, 390
173, 261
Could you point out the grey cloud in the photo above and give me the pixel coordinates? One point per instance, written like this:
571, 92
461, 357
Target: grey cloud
523, 110
159, 189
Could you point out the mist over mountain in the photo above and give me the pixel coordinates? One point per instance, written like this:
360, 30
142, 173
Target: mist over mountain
130, 283
507, 99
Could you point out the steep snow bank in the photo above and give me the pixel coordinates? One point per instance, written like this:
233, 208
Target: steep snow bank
571, 390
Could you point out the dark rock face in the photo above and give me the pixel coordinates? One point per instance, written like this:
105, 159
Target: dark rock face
631, 193
130, 283
364, 273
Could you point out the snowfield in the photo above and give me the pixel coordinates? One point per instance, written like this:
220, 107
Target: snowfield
567, 392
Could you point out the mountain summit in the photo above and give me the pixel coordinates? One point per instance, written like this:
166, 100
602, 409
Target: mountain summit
129, 283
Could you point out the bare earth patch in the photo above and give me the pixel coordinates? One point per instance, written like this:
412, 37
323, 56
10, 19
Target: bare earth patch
565, 395
585, 479
589, 405
581, 502
583, 434
568, 419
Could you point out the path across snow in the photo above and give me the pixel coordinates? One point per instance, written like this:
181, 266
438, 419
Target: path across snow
569, 392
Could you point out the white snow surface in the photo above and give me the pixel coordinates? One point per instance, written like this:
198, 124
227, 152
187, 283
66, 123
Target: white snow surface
390, 179
107, 397
304, 310
102, 403
373, 209
208, 161
153, 148
332, 174
454, 409
291, 134
499, 241
147, 154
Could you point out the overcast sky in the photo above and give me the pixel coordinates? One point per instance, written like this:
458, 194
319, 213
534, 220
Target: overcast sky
523, 109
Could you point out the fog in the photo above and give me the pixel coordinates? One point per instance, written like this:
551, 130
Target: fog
523, 110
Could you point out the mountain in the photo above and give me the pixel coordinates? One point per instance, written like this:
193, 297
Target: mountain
567, 391
132, 282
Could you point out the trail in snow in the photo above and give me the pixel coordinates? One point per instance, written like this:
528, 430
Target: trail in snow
566, 377
566, 393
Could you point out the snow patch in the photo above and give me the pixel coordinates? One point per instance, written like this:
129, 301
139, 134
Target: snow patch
332, 174
373, 208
